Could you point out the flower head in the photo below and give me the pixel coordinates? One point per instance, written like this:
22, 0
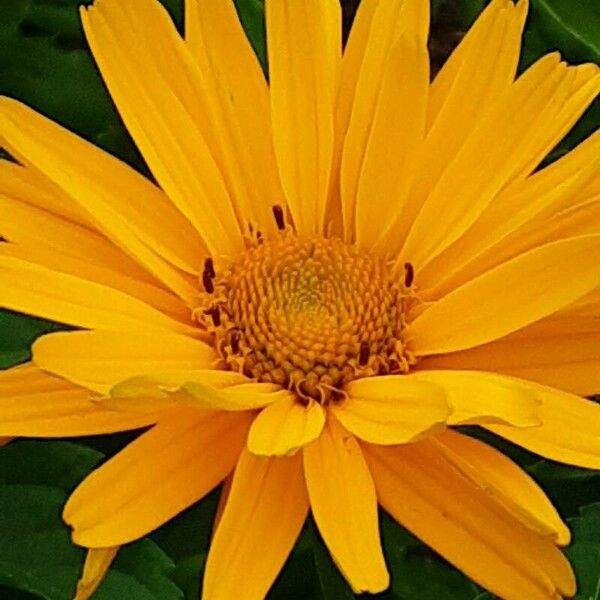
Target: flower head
333, 270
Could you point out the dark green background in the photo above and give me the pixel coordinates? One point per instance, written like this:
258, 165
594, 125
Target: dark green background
44, 61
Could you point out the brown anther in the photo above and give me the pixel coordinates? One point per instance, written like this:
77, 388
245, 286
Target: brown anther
409, 274
234, 340
279, 217
215, 315
363, 355
259, 236
209, 268
207, 282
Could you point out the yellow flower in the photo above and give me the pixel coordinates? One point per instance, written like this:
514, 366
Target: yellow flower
332, 270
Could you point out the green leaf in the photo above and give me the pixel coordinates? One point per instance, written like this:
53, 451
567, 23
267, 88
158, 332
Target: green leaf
17, 333
418, 572
36, 555
571, 27
252, 16
584, 552
332, 585
569, 487
45, 62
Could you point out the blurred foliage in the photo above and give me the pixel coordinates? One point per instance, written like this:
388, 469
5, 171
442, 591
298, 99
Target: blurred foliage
44, 61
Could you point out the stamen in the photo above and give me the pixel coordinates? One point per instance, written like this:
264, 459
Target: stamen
209, 268
215, 315
279, 217
363, 355
235, 341
409, 274
207, 282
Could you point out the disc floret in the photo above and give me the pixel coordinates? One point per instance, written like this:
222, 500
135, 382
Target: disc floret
306, 312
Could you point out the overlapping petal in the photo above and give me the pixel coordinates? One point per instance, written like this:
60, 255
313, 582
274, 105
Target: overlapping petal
344, 505
509, 297
33, 403
393, 409
265, 510
285, 426
429, 494
189, 453
305, 49
100, 359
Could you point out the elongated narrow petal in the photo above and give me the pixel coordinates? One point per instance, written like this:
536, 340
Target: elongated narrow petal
560, 351
509, 484
426, 492
534, 103
344, 505
569, 432
32, 289
397, 129
27, 184
522, 203
285, 426
100, 359
97, 563
33, 403
263, 516
304, 46
175, 148
83, 269
392, 409
478, 397
390, 20
236, 90
190, 453
28, 225
509, 297
117, 198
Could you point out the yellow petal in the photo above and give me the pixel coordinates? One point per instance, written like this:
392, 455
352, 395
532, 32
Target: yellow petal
509, 297
344, 505
156, 477
237, 92
163, 391
100, 359
88, 269
569, 433
154, 101
126, 207
97, 562
506, 481
481, 68
27, 225
478, 397
265, 511
533, 103
34, 290
285, 426
35, 404
304, 47
396, 130
559, 351
426, 492
245, 396
27, 184
523, 202
392, 409
390, 20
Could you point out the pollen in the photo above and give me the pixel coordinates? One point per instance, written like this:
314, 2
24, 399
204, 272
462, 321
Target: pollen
307, 313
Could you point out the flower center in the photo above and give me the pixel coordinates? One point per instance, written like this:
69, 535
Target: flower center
307, 313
